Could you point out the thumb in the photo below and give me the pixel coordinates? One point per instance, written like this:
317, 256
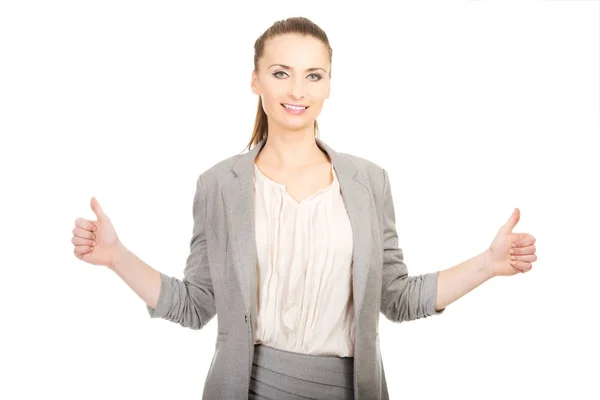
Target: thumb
98, 210
512, 221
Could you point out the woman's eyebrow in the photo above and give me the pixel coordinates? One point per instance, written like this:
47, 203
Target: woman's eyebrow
288, 67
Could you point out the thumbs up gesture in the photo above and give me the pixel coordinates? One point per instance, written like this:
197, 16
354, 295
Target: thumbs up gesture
511, 253
96, 242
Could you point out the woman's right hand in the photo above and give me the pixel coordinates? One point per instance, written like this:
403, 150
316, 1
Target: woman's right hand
96, 242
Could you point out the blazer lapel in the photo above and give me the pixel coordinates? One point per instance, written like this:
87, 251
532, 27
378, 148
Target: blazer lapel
358, 201
238, 198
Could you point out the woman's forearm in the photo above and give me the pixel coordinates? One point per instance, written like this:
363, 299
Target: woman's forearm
455, 282
139, 276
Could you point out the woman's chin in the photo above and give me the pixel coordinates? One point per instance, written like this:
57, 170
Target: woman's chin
296, 124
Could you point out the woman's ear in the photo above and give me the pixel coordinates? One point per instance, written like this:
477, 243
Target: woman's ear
254, 84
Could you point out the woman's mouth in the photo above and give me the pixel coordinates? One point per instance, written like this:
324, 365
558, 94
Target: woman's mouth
293, 109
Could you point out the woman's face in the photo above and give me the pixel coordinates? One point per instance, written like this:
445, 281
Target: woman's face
294, 70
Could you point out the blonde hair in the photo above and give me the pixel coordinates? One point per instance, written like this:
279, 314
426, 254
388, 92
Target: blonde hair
299, 25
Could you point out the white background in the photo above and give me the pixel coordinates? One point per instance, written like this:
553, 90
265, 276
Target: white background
473, 107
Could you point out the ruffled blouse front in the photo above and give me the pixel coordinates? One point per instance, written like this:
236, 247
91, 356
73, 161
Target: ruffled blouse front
304, 270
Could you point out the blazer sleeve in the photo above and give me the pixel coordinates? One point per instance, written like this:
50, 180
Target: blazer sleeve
403, 297
190, 302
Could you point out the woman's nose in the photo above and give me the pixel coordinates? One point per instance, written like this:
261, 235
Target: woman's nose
296, 89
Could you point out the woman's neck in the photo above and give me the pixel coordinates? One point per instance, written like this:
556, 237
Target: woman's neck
291, 150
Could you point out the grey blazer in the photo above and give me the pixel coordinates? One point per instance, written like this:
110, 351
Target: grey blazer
220, 274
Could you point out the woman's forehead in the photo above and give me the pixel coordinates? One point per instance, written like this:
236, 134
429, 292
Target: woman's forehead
296, 51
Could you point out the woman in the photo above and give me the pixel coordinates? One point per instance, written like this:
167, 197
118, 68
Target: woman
295, 248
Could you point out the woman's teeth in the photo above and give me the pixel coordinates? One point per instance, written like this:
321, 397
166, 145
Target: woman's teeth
294, 107
296, 110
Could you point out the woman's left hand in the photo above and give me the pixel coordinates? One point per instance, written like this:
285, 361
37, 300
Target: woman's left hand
511, 253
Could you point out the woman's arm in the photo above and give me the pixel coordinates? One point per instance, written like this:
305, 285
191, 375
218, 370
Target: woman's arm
144, 280
453, 283
405, 298
509, 253
190, 301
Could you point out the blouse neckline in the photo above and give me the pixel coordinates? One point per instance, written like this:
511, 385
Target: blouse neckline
283, 188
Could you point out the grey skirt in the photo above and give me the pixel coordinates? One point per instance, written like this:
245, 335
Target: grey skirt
281, 374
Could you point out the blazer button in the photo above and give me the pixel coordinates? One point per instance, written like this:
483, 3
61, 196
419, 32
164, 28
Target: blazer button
246, 318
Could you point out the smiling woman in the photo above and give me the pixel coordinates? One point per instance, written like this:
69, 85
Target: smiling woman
291, 76
295, 248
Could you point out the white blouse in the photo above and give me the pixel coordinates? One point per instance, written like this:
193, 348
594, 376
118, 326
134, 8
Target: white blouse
304, 298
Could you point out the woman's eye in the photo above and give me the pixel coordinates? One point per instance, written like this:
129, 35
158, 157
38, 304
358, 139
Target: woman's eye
316, 78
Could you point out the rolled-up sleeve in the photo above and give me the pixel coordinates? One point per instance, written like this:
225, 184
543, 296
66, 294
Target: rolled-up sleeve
190, 302
403, 297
